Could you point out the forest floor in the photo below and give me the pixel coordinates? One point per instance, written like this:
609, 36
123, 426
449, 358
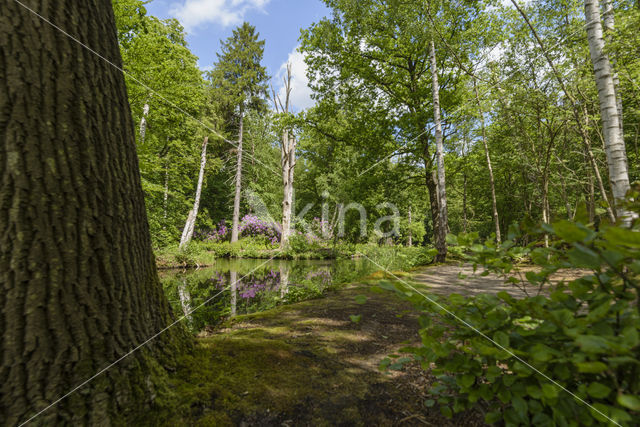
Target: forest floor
314, 363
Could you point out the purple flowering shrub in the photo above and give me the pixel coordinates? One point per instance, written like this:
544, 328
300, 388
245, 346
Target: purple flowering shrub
252, 226
220, 233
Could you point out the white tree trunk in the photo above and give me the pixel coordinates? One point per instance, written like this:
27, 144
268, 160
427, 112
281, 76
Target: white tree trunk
187, 232
609, 27
441, 183
165, 202
143, 122
614, 143
287, 161
494, 202
236, 200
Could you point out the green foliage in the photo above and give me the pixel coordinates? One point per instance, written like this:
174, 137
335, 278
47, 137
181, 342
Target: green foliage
583, 334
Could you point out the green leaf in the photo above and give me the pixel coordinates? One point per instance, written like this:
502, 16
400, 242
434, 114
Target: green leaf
501, 338
629, 401
466, 380
598, 390
593, 344
360, 299
591, 367
550, 391
355, 318
446, 411
581, 256
520, 405
492, 417
429, 403
569, 231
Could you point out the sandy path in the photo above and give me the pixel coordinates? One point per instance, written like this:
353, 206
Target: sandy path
444, 280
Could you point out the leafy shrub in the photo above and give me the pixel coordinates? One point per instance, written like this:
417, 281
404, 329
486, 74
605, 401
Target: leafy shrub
584, 333
252, 226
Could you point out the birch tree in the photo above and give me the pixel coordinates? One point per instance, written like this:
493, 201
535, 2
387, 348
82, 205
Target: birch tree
611, 119
187, 232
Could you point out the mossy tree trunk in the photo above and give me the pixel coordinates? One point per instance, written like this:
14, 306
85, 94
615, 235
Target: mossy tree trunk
78, 277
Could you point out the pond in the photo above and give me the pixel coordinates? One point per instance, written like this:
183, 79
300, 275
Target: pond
240, 286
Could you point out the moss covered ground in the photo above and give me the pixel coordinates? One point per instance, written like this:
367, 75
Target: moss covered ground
311, 363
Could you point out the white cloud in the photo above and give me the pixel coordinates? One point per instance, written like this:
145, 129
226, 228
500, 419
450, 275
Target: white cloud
194, 13
300, 90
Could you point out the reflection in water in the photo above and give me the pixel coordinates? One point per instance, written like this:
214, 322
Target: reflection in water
284, 280
185, 299
250, 286
234, 291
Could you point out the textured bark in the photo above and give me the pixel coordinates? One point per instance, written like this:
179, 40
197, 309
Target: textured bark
79, 287
494, 202
441, 183
238, 196
189, 227
612, 122
609, 27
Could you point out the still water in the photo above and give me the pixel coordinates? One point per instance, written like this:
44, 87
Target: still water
240, 286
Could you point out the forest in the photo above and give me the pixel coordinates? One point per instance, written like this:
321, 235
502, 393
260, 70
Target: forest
449, 235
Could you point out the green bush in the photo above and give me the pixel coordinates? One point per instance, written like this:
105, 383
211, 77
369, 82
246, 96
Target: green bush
583, 334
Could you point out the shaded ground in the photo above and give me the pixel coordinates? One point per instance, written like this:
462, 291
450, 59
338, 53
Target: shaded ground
307, 364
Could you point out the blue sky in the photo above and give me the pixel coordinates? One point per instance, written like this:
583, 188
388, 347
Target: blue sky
278, 22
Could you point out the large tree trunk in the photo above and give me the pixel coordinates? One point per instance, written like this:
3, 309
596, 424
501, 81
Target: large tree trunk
494, 202
612, 122
441, 188
79, 287
187, 232
236, 200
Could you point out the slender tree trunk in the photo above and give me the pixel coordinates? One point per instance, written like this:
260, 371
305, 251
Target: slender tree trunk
187, 232
78, 282
609, 27
465, 222
441, 244
287, 160
496, 219
143, 122
165, 201
612, 122
410, 234
236, 200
